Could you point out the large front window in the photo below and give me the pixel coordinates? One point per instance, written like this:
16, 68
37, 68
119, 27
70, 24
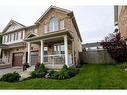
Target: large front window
53, 25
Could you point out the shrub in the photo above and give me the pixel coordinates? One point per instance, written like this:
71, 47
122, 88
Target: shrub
116, 47
33, 74
64, 73
73, 72
40, 72
11, 77
53, 74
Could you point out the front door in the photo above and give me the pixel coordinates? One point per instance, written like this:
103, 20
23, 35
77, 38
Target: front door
34, 57
17, 59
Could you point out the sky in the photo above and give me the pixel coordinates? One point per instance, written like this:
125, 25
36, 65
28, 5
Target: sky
94, 22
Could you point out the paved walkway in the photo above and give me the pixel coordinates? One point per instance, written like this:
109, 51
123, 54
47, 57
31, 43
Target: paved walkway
10, 70
24, 74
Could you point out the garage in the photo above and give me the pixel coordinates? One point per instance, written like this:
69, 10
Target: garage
17, 59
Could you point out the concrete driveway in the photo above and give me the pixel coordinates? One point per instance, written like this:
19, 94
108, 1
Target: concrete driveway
10, 70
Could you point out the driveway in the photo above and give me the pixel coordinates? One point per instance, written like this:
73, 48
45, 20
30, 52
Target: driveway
9, 70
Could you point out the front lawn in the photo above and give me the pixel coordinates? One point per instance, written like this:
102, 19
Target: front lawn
91, 76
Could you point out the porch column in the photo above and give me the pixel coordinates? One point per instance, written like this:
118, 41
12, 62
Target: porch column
29, 53
66, 50
42, 52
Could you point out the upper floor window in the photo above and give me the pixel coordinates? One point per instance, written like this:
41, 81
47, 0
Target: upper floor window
61, 24
53, 25
45, 28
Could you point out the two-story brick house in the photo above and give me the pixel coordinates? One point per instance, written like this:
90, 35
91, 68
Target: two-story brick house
53, 40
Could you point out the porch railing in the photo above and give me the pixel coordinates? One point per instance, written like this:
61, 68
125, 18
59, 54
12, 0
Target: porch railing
54, 59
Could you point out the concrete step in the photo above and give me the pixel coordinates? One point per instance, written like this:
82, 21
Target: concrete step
25, 74
3, 66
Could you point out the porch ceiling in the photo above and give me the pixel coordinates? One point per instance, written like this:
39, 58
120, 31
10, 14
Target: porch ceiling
51, 36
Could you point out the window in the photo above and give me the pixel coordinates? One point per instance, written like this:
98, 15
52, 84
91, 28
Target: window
19, 35
61, 24
59, 49
53, 25
10, 37
7, 38
45, 28
14, 36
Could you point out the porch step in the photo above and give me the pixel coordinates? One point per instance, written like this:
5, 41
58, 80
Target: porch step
3, 66
26, 74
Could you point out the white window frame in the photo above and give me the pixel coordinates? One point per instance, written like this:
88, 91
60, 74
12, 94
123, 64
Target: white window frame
53, 25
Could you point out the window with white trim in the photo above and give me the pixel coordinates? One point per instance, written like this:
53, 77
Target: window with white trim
19, 35
53, 25
61, 24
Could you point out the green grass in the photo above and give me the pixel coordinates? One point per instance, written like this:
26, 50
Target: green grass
91, 76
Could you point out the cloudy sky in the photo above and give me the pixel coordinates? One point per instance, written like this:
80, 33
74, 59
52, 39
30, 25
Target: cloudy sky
94, 22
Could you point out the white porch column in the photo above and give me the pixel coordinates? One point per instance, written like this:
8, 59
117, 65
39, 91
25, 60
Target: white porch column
42, 52
66, 50
29, 53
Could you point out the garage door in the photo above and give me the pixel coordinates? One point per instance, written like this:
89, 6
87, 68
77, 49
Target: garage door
17, 59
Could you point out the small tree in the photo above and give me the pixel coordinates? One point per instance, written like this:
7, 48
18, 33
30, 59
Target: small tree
116, 47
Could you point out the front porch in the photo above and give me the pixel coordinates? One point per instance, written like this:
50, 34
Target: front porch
54, 52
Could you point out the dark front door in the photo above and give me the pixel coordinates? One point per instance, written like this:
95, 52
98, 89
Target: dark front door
17, 59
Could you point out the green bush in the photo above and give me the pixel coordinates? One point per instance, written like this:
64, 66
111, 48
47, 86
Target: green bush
33, 74
11, 77
53, 74
40, 72
64, 73
73, 72
41, 69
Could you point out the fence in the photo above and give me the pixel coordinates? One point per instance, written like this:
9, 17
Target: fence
96, 57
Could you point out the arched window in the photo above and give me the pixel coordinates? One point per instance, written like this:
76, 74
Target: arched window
53, 25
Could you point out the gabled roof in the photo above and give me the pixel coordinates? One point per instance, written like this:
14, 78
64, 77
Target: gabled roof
10, 23
52, 7
64, 10
31, 35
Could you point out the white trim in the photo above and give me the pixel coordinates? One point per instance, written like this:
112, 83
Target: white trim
29, 53
66, 50
27, 36
42, 51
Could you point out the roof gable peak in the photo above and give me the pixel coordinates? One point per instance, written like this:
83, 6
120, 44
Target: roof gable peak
52, 7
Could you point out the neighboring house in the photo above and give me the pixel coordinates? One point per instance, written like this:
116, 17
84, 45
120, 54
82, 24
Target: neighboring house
53, 40
120, 20
92, 46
